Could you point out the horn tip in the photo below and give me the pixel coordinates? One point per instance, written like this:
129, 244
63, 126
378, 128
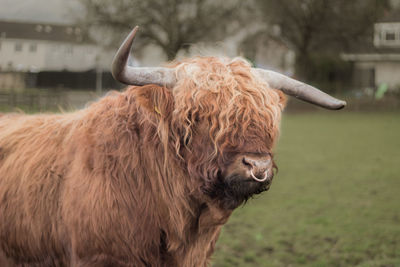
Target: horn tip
135, 29
339, 105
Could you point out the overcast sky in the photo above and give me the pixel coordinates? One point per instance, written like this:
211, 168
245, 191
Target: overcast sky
51, 11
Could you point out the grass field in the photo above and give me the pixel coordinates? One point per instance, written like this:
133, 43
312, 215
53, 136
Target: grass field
334, 202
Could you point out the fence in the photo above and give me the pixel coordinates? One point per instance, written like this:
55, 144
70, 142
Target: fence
45, 100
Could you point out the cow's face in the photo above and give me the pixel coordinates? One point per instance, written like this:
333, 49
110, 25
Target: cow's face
228, 121
224, 118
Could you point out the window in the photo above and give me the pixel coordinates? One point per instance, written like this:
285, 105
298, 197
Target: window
390, 36
387, 34
18, 47
32, 48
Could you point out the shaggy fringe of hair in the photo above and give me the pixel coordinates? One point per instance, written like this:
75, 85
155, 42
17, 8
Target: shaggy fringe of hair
224, 92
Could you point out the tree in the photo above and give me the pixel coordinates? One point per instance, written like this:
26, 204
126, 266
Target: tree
315, 27
170, 24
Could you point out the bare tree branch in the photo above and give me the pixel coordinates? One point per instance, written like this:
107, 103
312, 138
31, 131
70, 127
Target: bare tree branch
310, 27
169, 24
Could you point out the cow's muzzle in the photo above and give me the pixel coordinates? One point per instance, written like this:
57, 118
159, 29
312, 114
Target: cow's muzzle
258, 167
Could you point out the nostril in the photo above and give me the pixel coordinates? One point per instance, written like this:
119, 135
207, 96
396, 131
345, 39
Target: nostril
246, 163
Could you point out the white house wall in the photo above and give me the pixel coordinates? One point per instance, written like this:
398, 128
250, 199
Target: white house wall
51, 56
64, 56
387, 72
21, 60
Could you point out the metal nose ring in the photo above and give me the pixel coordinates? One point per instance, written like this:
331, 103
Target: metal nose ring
258, 179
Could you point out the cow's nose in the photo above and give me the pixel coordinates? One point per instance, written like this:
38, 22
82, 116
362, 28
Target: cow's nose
260, 168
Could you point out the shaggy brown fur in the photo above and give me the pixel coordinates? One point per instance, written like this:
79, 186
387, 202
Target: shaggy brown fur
133, 179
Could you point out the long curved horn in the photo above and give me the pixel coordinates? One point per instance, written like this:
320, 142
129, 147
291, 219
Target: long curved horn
124, 73
300, 90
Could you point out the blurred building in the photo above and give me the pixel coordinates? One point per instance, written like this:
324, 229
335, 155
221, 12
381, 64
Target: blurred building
30, 50
44, 47
378, 62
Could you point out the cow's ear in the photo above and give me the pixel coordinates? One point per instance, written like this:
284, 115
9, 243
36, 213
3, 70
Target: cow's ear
155, 99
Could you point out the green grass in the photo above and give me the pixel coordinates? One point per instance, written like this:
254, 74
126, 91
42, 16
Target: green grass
334, 202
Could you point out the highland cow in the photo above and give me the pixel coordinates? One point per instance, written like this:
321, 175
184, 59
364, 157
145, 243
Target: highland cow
145, 177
